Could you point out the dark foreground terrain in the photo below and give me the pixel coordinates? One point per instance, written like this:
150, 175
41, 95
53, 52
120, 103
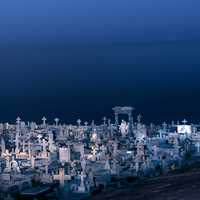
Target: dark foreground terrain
184, 186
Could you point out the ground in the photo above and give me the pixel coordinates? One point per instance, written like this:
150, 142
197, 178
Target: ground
184, 186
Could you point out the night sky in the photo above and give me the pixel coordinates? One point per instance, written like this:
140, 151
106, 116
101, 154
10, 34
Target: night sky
78, 58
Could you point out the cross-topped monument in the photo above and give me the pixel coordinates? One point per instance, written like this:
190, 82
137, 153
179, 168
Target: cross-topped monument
44, 121
56, 120
78, 122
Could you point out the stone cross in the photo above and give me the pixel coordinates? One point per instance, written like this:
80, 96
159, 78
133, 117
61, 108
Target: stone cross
78, 122
44, 121
184, 121
61, 177
56, 120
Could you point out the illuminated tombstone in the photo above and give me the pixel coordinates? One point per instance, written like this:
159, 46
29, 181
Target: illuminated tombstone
184, 129
94, 136
64, 154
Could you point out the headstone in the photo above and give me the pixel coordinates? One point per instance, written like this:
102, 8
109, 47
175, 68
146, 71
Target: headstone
64, 154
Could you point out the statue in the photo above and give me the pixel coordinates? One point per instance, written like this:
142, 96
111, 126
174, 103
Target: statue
123, 128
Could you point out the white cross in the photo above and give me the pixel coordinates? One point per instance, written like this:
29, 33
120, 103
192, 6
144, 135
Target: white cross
44, 120
56, 120
184, 121
78, 122
61, 177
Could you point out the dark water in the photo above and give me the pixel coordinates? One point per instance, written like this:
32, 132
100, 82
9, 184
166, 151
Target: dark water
161, 80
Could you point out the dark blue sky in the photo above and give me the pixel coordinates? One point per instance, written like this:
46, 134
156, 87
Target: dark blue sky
81, 57
86, 21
